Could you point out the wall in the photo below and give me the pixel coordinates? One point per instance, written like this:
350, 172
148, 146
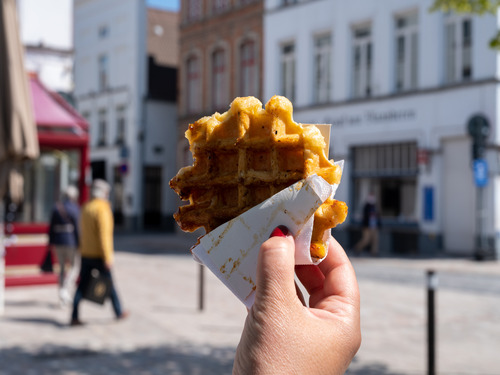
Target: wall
432, 115
125, 47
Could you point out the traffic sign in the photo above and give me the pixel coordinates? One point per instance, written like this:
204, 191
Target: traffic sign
480, 172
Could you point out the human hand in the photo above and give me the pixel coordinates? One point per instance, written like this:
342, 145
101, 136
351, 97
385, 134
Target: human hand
281, 335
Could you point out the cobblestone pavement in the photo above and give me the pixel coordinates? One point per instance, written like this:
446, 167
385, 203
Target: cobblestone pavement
166, 332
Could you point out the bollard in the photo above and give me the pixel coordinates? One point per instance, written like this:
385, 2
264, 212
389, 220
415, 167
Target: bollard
432, 282
201, 288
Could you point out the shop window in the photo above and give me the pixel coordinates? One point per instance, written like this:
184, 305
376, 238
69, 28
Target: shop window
193, 92
219, 79
389, 171
53, 172
248, 69
102, 128
120, 126
288, 71
322, 52
458, 48
406, 52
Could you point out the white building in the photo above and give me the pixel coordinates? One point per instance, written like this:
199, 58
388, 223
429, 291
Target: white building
399, 86
127, 92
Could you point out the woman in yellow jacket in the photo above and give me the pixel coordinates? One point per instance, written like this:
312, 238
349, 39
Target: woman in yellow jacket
96, 246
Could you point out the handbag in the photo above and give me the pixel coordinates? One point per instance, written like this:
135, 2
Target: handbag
46, 265
98, 287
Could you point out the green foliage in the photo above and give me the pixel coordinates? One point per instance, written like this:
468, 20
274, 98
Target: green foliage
466, 6
479, 7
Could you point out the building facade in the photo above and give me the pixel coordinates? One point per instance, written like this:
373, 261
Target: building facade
399, 86
125, 86
220, 59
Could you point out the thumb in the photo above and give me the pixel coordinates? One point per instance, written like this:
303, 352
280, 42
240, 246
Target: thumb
276, 270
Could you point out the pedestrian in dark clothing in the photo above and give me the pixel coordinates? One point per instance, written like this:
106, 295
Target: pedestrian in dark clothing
64, 239
371, 224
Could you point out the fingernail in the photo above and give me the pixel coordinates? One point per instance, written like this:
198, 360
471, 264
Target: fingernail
280, 231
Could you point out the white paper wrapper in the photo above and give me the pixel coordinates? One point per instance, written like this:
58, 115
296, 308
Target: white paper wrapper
230, 251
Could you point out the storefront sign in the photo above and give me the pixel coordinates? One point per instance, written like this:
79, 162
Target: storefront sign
428, 203
480, 172
372, 117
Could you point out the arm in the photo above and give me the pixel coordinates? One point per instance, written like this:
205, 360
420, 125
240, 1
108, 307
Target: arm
105, 226
281, 335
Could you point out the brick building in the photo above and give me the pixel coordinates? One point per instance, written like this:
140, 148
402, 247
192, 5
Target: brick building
220, 58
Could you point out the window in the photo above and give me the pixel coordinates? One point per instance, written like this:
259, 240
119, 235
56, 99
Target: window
219, 77
103, 32
193, 92
221, 5
458, 39
322, 51
287, 84
194, 10
102, 128
362, 63
120, 125
248, 69
103, 72
406, 52
289, 2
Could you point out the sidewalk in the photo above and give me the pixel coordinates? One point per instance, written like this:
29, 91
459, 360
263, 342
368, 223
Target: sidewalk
167, 334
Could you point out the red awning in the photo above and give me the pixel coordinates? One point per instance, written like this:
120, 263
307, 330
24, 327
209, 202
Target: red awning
58, 124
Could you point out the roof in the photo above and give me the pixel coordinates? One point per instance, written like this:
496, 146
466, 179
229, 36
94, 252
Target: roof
163, 37
57, 122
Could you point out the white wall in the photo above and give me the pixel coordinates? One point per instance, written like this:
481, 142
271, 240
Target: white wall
125, 48
432, 115
300, 22
55, 71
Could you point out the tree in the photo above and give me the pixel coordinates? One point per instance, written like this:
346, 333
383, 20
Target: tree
479, 7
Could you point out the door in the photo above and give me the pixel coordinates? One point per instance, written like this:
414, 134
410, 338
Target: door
152, 196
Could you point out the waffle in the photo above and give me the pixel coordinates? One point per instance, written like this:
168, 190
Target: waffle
246, 155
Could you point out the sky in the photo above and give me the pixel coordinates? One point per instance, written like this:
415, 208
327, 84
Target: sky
164, 4
38, 26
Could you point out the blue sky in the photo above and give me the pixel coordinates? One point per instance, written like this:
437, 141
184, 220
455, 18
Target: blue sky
164, 4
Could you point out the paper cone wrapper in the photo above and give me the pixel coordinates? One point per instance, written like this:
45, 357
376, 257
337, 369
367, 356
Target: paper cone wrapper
230, 251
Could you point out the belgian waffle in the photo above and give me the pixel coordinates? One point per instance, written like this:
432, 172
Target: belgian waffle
246, 155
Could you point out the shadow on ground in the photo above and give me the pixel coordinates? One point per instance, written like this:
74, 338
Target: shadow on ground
370, 369
58, 360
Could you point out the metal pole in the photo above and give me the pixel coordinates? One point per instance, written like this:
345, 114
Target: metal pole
201, 289
432, 282
481, 241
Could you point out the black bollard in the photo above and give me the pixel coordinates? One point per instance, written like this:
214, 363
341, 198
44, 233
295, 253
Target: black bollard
432, 282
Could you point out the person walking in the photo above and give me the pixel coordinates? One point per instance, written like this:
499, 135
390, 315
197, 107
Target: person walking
63, 241
96, 246
371, 224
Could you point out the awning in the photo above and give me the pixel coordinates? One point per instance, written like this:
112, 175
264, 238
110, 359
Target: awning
18, 140
59, 125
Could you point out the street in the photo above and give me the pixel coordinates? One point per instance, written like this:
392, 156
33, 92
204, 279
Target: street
167, 334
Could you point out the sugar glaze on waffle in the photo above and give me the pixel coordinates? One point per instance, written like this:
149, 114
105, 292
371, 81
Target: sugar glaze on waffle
246, 155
